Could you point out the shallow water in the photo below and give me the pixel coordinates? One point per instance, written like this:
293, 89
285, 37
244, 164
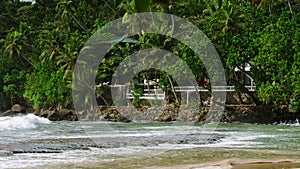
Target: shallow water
31, 141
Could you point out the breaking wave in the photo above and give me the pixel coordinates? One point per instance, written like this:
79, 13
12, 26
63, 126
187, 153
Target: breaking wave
29, 121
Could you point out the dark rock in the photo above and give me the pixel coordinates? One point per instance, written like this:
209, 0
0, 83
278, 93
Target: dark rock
42, 113
124, 120
102, 108
68, 115
35, 151
166, 117
182, 142
37, 112
54, 116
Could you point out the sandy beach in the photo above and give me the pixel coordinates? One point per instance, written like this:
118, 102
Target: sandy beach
243, 164
200, 158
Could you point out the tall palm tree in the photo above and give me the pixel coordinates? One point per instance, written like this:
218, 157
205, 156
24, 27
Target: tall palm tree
67, 11
228, 18
16, 45
66, 59
268, 3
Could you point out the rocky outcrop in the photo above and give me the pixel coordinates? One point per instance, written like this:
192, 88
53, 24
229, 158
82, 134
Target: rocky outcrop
69, 115
55, 115
103, 114
112, 114
265, 114
14, 110
233, 113
168, 114
166, 118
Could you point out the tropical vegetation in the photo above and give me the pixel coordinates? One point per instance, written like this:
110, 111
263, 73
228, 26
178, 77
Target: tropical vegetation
40, 42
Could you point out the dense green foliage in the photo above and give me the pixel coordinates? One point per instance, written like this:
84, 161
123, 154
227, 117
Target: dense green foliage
40, 42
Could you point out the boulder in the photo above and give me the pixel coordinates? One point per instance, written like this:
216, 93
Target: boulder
105, 115
190, 115
37, 112
102, 108
18, 108
198, 118
112, 116
54, 115
68, 115
82, 114
44, 113
124, 120
166, 117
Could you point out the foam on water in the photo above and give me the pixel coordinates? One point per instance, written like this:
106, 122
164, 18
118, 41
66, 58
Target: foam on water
128, 140
289, 123
21, 122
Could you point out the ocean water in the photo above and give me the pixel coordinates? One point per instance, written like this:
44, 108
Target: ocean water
29, 141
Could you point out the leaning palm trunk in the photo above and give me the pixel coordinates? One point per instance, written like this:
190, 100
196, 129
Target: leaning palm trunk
173, 89
28, 61
290, 7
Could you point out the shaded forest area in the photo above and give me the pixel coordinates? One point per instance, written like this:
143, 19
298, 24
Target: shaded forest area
40, 42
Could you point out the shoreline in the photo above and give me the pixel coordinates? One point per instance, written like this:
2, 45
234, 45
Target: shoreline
242, 164
246, 113
224, 164
134, 148
199, 158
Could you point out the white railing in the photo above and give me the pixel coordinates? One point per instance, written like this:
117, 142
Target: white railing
151, 94
214, 88
159, 94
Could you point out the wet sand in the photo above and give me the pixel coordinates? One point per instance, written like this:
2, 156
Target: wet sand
293, 164
246, 164
199, 158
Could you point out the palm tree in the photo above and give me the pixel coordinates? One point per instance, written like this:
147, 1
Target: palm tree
16, 45
226, 17
66, 59
67, 11
234, 19
268, 3
212, 6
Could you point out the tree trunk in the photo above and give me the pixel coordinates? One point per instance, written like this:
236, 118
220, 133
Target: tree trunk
290, 7
239, 93
173, 90
199, 92
245, 90
148, 86
104, 100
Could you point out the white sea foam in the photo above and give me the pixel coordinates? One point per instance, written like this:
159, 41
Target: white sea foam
21, 122
239, 140
289, 123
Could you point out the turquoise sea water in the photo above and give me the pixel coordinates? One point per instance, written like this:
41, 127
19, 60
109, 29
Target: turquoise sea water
30, 141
